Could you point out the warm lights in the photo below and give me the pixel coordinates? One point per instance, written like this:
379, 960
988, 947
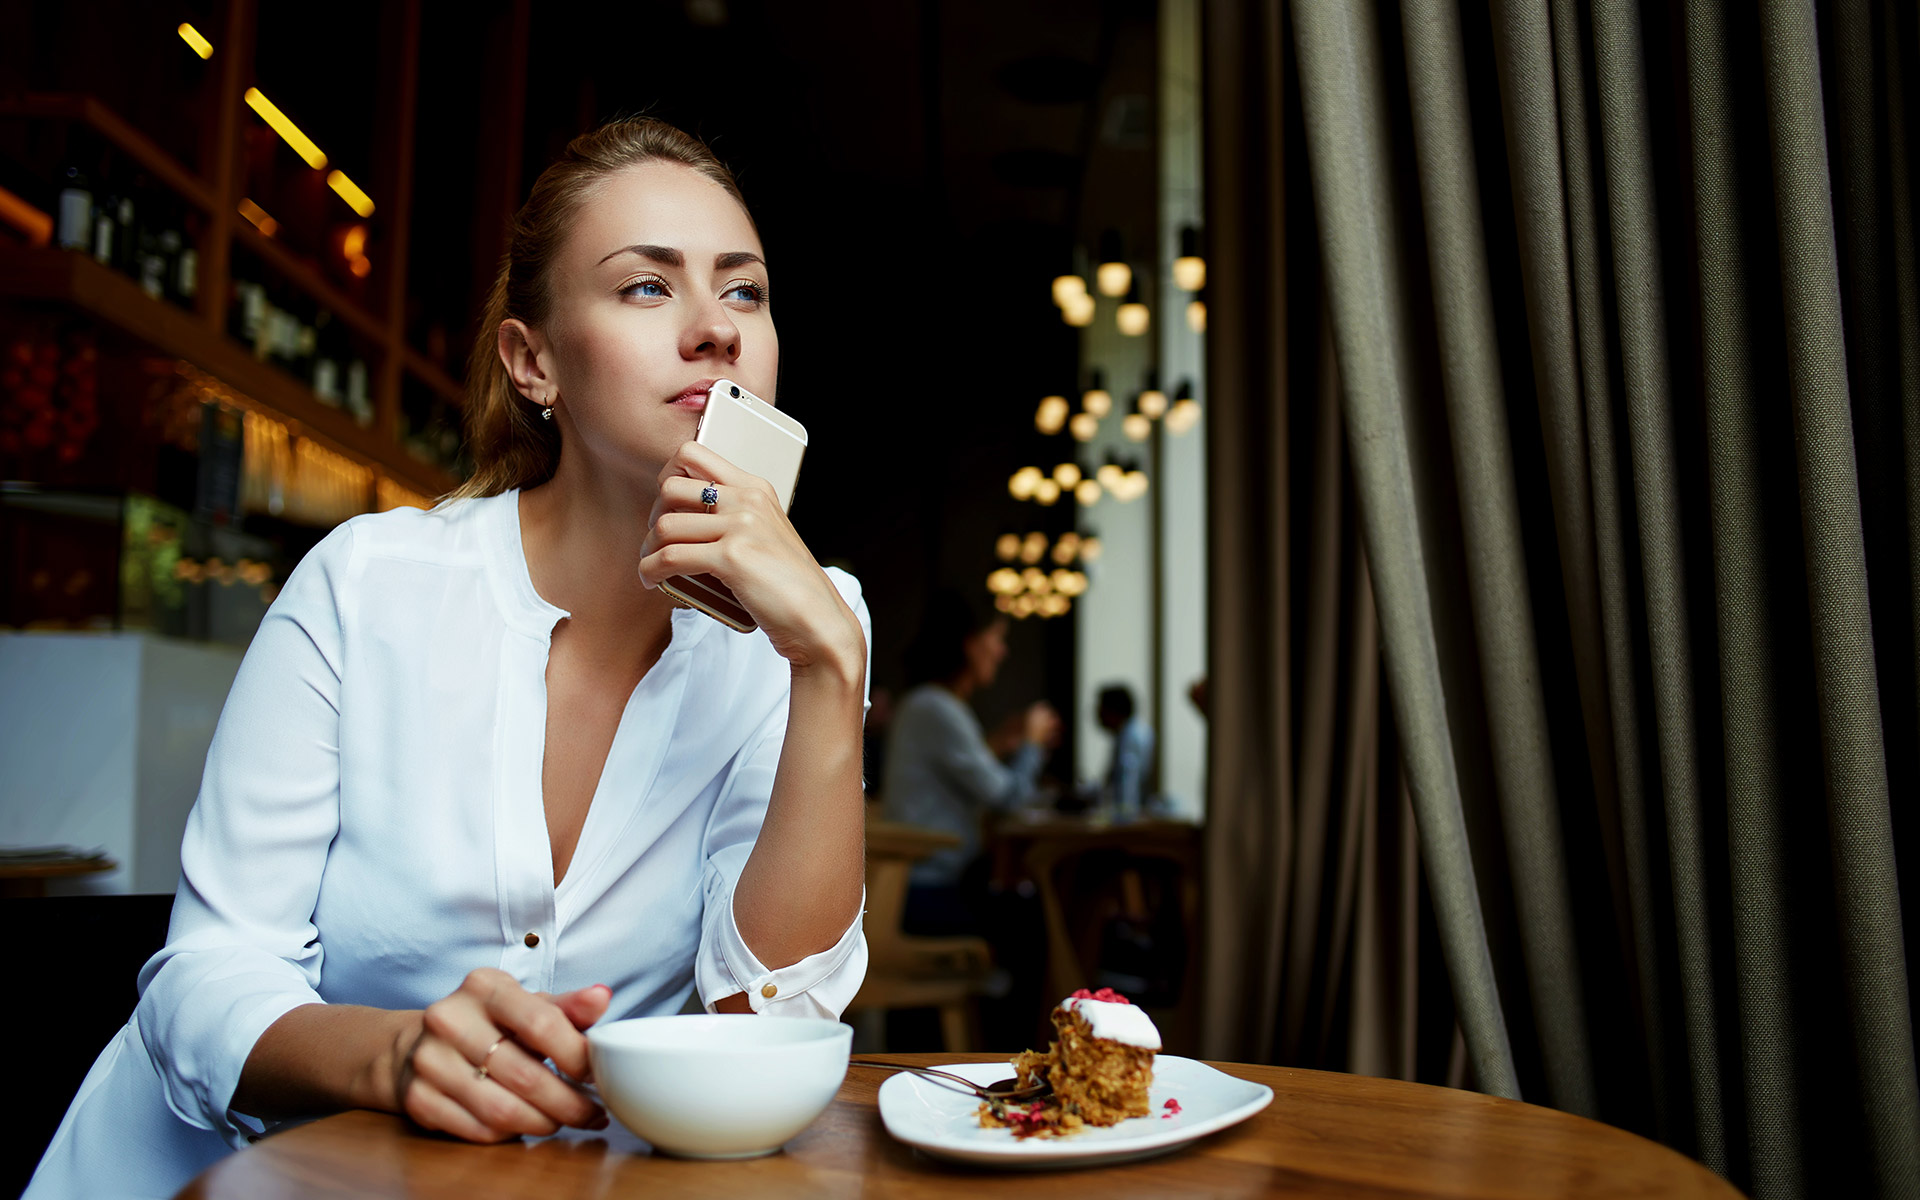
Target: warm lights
288, 131
1079, 312
1185, 413
1190, 270
1137, 427
1197, 315
1096, 399
191, 37
1066, 547
350, 191
1152, 402
1067, 474
1083, 426
1024, 481
258, 218
1067, 289
1032, 548
1036, 581
1114, 278
1069, 583
1046, 492
1051, 417
1132, 317
1111, 475
1087, 493
1004, 582
1090, 549
1054, 605
1007, 548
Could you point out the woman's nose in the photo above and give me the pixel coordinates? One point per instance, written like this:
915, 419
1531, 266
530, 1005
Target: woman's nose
711, 332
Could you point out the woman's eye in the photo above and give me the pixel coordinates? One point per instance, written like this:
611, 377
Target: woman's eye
646, 289
745, 292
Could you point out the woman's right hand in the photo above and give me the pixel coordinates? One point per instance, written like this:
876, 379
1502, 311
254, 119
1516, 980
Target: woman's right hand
475, 1068
1042, 725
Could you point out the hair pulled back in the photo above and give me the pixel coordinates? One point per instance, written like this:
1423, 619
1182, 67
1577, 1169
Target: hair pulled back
511, 445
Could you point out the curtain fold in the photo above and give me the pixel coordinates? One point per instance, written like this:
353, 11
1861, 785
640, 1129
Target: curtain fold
1594, 503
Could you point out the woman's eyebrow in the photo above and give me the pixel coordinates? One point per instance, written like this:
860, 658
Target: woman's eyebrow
666, 256
738, 258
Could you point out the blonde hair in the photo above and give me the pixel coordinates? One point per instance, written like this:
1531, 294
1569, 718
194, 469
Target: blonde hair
512, 447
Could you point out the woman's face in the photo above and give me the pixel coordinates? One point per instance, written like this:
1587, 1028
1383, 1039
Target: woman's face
985, 652
659, 289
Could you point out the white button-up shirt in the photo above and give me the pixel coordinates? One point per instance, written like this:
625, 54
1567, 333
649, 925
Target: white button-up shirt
371, 828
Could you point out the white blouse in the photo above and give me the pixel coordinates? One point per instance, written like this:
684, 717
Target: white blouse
371, 828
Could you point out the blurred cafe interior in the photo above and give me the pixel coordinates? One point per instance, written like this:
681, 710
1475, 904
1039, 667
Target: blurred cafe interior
1452, 471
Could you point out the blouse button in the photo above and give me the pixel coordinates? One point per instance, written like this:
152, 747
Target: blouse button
532, 940
769, 991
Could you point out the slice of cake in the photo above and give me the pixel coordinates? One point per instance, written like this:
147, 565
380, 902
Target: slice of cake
1100, 1067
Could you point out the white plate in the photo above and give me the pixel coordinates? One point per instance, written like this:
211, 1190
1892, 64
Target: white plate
943, 1120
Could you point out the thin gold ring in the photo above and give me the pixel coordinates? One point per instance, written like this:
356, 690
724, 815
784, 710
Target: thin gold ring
480, 1072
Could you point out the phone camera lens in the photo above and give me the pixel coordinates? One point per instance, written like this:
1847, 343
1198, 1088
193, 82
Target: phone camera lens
735, 391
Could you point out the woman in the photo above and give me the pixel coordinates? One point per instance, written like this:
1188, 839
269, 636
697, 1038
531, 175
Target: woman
943, 772
478, 783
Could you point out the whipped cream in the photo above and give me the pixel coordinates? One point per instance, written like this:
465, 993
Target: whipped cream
1127, 1024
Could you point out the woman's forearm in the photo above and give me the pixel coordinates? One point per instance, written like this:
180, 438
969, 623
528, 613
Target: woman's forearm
800, 888
322, 1058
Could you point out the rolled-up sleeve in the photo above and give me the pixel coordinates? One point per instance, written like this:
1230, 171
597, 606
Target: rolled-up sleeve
819, 985
242, 949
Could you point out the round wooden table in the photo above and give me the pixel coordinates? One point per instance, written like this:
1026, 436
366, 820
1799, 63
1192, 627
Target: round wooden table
1324, 1135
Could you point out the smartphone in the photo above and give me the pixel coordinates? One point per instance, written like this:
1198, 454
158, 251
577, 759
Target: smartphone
761, 440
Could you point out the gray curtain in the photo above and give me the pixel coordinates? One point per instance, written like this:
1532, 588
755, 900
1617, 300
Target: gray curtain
1564, 361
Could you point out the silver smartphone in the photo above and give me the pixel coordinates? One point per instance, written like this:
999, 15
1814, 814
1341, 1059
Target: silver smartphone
761, 440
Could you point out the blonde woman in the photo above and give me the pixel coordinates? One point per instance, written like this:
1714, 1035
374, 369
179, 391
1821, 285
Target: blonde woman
479, 783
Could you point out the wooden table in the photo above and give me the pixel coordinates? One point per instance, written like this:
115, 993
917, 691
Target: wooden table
1324, 1135
29, 879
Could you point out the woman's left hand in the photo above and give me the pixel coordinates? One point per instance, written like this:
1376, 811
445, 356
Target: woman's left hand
748, 544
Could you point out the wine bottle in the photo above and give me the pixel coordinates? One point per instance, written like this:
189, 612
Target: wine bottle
76, 212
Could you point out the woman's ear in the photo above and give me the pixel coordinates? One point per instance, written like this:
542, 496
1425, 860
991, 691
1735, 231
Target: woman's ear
524, 353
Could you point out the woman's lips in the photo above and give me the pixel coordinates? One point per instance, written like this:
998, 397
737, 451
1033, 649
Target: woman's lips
694, 398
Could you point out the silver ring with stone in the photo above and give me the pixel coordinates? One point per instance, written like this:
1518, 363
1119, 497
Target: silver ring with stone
710, 496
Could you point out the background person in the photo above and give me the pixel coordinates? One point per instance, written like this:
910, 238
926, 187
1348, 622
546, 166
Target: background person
1132, 760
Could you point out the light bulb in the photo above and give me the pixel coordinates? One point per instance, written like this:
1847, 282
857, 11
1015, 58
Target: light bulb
1114, 278
1067, 287
1184, 415
1054, 605
1023, 606
1033, 548
1004, 603
1083, 426
1197, 315
1051, 416
1090, 549
1078, 313
1189, 272
1067, 474
1007, 548
1036, 581
1136, 484
1111, 476
1087, 492
1132, 319
1046, 492
1137, 427
1098, 401
1004, 582
1021, 485
1153, 403
1067, 546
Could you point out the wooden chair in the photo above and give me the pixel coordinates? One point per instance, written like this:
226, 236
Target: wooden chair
908, 971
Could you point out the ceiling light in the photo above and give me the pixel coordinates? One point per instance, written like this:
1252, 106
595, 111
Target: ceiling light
1090, 549
1096, 399
1153, 401
1137, 427
1051, 416
1067, 288
1087, 493
288, 131
1007, 548
1046, 493
1004, 582
1021, 485
1132, 317
1113, 276
1111, 476
1083, 426
1032, 548
1197, 315
1185, 412
192, 37
1190, 270
1079, 312
1067, 474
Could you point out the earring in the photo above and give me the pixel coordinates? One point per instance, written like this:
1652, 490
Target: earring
546, 410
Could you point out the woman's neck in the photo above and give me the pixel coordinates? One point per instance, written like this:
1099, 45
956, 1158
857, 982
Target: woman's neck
582, 535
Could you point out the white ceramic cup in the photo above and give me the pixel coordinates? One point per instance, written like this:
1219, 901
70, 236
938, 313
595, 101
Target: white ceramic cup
720, 1085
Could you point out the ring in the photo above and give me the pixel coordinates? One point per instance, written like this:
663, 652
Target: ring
710, 496
480, 1072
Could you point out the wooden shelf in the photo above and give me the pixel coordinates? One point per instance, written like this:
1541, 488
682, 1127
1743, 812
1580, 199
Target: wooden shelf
428, 372
88, 111
71, 278
310, 281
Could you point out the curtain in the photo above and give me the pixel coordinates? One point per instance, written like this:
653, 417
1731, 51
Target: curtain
1564, 360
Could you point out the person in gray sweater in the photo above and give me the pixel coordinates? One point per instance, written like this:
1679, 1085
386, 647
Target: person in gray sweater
942, 771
